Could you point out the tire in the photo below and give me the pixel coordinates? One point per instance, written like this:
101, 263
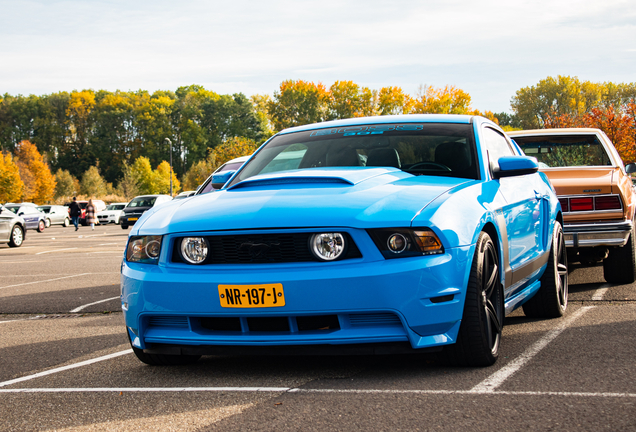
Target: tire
41, 226
551, 300
482, 322
620, 265
47, 223
67, 223
124, 226
17, 236
163, 359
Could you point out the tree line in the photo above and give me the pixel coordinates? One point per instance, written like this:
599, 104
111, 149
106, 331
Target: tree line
114, 143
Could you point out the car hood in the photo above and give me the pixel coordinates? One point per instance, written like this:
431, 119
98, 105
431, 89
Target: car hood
583, 181
319, 197
135, 209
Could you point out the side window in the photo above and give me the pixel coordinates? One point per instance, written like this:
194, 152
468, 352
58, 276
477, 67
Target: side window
497, 145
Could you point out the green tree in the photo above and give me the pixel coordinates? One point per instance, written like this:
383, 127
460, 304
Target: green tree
231, 149
141, 172
393, 100
446, 100
92, 184
66, 185
198, 173
298, 103
11, 185
129, 184
162, 180
347, 99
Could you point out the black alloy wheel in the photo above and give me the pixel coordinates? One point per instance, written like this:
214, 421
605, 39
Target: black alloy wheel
551, 300
482, 323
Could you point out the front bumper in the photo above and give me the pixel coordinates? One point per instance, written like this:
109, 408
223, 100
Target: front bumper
366, 300
597, 234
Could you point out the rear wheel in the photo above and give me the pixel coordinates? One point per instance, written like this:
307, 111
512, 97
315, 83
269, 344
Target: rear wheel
17, 237
41, 226
66, 222
552, 298
620, 265
482, 322
163, 359
48, 222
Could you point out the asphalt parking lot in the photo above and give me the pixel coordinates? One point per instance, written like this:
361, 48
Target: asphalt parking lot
66, 363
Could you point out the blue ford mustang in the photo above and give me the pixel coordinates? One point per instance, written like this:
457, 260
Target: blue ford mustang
371, 235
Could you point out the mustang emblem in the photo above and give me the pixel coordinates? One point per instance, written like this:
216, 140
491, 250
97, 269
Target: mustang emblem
258, 250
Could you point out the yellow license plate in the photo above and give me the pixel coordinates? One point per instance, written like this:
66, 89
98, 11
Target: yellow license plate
131, 219
251, 296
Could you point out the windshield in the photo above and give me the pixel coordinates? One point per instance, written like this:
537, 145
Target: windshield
115, 206
44, 209
142, 202
565, 151
433, 149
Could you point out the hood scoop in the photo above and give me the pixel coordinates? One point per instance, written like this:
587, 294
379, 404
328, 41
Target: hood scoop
289, 181
315, 176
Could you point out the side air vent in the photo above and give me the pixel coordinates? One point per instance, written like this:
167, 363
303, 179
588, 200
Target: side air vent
374, 320
168, 321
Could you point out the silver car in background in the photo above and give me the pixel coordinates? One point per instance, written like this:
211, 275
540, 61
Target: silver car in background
12, 228
55, 215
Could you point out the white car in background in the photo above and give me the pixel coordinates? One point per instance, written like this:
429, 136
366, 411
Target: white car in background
111, 214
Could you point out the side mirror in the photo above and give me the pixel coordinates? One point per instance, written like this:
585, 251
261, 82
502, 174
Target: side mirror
630, 168
21, 214
510, 166
218, 180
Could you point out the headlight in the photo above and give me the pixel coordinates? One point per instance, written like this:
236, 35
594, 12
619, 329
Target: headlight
405, 242
194, 250
327, 246
144, 249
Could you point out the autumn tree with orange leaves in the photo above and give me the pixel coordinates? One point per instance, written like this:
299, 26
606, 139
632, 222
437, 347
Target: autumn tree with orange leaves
39, 183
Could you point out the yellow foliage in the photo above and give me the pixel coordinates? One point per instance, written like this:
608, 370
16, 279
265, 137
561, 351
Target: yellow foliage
38, 181
11, 185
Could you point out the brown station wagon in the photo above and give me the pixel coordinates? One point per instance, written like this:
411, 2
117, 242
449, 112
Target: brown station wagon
595, 192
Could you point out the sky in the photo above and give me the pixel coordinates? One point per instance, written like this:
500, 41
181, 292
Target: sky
489, 49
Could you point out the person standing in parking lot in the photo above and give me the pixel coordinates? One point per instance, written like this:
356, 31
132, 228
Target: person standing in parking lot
75, 211
90, 214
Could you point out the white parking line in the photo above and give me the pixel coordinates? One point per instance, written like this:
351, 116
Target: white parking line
496, 379
91, 304
21, 319
598, 295
298, 390
47, 280
56, 250
63, 368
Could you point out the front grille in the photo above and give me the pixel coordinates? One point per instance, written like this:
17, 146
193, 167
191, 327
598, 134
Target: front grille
374, 319
168, 321
262, 248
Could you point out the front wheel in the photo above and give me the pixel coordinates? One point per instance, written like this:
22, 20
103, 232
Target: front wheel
48, 222
41, 226
552, 298
124, 226
620, 265
17, 237
66, 222
482, 322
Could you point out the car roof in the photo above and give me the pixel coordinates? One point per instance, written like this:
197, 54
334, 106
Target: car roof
556, 131
404, 118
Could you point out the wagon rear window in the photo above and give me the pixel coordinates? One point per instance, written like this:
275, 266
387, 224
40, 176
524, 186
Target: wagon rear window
434, 149
565, 151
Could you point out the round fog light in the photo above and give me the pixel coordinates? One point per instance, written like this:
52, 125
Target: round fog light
327, 246
194, 249
397, 243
